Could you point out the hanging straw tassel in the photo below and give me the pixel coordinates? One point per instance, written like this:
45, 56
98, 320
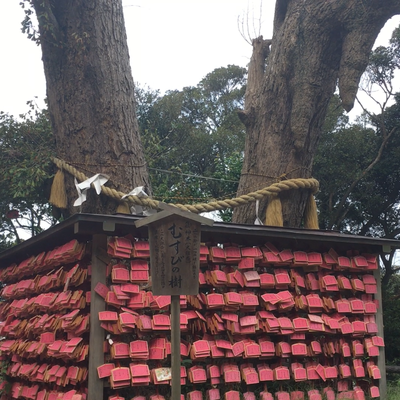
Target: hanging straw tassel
310, 213
123, 208
273, 215
58, 195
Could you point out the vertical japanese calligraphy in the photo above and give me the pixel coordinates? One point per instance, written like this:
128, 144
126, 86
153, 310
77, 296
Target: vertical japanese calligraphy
175, 253
157, 237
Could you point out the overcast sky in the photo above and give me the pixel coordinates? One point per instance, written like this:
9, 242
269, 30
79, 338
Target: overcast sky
172, 43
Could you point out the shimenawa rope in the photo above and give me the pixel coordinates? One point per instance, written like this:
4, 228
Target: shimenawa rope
271, 191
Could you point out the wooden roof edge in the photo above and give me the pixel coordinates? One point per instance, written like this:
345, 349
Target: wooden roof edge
83, 226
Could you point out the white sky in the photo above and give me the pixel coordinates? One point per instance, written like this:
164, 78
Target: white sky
173, 43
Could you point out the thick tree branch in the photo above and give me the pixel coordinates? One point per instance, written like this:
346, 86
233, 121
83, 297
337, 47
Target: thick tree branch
356, 48
393, 368
388, 263
255, 75
375, 220
393, 234
48, 24
364, 24
365, 228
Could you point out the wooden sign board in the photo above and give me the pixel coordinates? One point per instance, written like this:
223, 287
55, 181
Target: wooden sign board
174, 237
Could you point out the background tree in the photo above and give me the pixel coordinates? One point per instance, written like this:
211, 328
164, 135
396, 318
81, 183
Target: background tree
391, 315
314, 45
90, 93
193, 138
354, 198
26, 145
358, 164
358, 167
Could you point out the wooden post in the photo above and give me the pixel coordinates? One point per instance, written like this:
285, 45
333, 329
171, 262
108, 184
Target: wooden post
379, 322
96, 354
174, 237
175, 348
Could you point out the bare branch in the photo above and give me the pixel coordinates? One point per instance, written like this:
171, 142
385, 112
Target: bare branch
15, 231
247, 23
257, 34
240, 23
244, 25
260, 19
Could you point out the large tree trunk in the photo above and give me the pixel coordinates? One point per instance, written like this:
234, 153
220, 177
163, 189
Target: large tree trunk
316, 43
90, 94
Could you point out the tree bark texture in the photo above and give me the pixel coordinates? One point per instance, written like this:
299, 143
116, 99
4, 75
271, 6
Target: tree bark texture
316, 45
90, 94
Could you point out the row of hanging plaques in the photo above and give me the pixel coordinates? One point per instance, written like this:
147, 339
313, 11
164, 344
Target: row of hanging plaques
246, 293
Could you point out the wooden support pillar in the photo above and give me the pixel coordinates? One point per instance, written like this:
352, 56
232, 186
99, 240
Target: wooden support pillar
175, 348
96, 354
174, 237
379, 322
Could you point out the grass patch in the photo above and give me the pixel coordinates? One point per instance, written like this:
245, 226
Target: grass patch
393, 391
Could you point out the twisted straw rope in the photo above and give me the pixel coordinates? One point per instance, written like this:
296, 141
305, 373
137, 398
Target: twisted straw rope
289, 184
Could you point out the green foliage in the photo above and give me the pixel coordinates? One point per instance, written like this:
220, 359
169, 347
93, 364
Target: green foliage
343, 156
28, 26
391, 315
195, 133
382, 65
360, 178
43, 14
393, 391
358, 165
4, 384
384, 61
26, 146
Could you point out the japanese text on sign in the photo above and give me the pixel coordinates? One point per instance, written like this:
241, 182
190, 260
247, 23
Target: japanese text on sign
175, 246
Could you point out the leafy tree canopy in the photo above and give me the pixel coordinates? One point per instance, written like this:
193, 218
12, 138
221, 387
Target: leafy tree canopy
26, 145
193, 138
358, 164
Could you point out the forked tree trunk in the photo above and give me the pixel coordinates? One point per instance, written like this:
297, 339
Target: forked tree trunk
90, 94
316, 44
